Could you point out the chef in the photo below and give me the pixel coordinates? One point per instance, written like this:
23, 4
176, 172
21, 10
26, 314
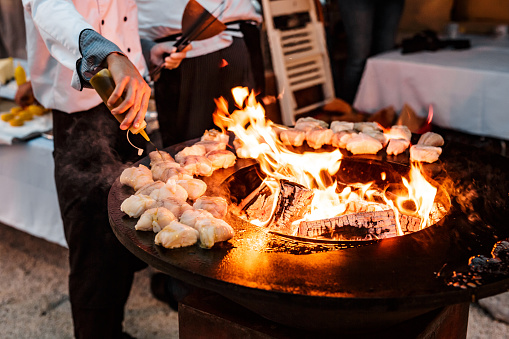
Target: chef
185, 96
67, 43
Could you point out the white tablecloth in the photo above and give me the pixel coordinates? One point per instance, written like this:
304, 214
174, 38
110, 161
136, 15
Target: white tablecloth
28, 198
468, 89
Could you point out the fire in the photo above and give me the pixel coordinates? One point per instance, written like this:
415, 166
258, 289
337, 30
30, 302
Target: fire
257, 138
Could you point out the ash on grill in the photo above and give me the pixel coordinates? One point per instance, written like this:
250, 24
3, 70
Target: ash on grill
482, 268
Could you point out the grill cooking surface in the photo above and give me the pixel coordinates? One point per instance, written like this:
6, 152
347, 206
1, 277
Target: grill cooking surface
318, 285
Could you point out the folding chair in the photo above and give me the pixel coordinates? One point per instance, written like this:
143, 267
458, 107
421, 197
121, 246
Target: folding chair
299, 56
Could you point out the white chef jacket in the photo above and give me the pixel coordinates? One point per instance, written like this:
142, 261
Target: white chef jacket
53, 30
161, 18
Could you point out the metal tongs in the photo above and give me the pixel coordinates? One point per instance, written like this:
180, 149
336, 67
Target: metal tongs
197, 24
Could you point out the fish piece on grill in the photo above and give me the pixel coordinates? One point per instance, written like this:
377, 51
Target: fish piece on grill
215, 135
148, 188
198, 165
136, 177
176, 235
400, 132
213, 230
190, 150
158, 156
378, 136
338, 126
292, 137
135, 205
431, 139
340, 139
367, 126
158, 169
363, 144
308, 123
212, 145
154, 219
170, 190
424, 153
218, 206
316, 138
176, 173
195, 187
221, 159
177, 207
191, 216
397, 146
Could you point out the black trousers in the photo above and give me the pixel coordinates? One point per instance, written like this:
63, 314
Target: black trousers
185, 96
90, 153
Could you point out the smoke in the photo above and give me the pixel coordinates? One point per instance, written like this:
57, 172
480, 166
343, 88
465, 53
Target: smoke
92, 152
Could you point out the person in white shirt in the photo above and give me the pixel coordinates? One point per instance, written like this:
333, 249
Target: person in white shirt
185, 96
67, 42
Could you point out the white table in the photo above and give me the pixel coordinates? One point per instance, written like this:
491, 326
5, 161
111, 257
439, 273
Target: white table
468, 89
28, 198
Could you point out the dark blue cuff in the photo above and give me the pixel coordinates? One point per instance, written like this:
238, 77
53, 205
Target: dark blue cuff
94, 49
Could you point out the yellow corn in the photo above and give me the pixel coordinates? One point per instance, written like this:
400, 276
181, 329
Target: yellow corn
19, 75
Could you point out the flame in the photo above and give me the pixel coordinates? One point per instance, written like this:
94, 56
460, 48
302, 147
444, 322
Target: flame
420, 192
257, 138
223, 63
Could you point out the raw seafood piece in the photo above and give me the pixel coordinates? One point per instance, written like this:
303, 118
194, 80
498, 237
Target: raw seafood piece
159, 168
240, 149
213, 230
367, 126
195, 187
198, 165
363, 144
158, 156
190, 150
170, 190
400, 132
215, 135
340, 139
191, 216
338, 126
154, 219
176, 173
397, 146
148, 188
218, 206
176, 235
135, 205
431, 139
425, 153
316, 138
177, 207
136, 177
378, 136
308, 123
211, 145
292, 137
221, 159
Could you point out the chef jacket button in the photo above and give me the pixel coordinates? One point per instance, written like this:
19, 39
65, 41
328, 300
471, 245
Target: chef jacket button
102, 22
128, 50
125, 18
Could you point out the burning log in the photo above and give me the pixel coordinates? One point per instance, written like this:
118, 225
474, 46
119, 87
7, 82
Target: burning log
262, 207
360, 226
293, 203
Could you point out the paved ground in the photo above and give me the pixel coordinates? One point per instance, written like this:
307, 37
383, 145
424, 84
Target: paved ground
34, 302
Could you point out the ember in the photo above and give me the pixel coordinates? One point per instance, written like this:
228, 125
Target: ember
300, 194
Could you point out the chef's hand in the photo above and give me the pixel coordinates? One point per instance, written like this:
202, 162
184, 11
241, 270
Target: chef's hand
131, 84
24, 95
173, 60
